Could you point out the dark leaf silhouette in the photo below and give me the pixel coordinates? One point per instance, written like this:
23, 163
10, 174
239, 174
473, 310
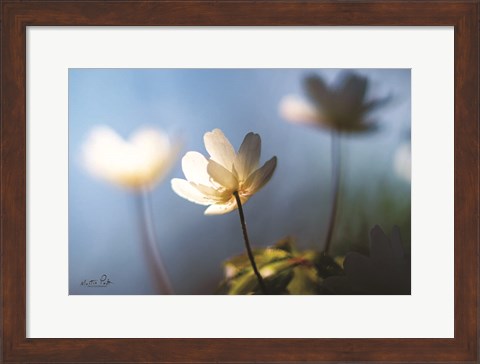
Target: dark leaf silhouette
385, 271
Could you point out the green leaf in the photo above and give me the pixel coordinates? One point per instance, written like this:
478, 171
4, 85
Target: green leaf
305, 281
285, 270
244, 284
262, 256
276, 276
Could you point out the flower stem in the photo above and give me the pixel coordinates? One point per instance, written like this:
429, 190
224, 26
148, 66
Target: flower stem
336, 175
263, 287
150, 243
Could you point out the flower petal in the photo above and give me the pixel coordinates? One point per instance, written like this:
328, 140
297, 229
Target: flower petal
261, 176
225, 207
351, 91
157, 152
319, 92
219, 195
151, 142
222, 176
100, 151
248, 155
220, 209
186, 190
140, 162
219, 148
297, 110
194, 166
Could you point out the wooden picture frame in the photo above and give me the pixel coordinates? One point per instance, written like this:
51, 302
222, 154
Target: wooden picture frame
18, 15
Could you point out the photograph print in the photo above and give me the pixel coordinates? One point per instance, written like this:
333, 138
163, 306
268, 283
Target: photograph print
239, 181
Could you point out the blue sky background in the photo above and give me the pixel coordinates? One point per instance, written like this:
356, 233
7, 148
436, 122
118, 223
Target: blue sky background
103, 227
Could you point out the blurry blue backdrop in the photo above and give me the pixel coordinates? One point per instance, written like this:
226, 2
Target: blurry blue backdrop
103, 231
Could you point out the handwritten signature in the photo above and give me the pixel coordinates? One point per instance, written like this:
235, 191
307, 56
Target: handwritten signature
104, 281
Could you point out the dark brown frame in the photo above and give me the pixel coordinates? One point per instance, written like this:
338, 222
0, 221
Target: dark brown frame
17, 15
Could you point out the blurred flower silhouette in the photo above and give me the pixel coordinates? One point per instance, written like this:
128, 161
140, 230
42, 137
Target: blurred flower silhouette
403, 161
140, 162
343, 107
385, 271
213, 182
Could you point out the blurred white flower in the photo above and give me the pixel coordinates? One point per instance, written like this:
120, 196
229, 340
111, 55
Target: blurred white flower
140, 162
402, 161
212, 182
297, 110
342, 107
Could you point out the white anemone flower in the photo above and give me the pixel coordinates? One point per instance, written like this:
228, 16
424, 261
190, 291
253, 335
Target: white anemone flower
213, 182
140, 162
